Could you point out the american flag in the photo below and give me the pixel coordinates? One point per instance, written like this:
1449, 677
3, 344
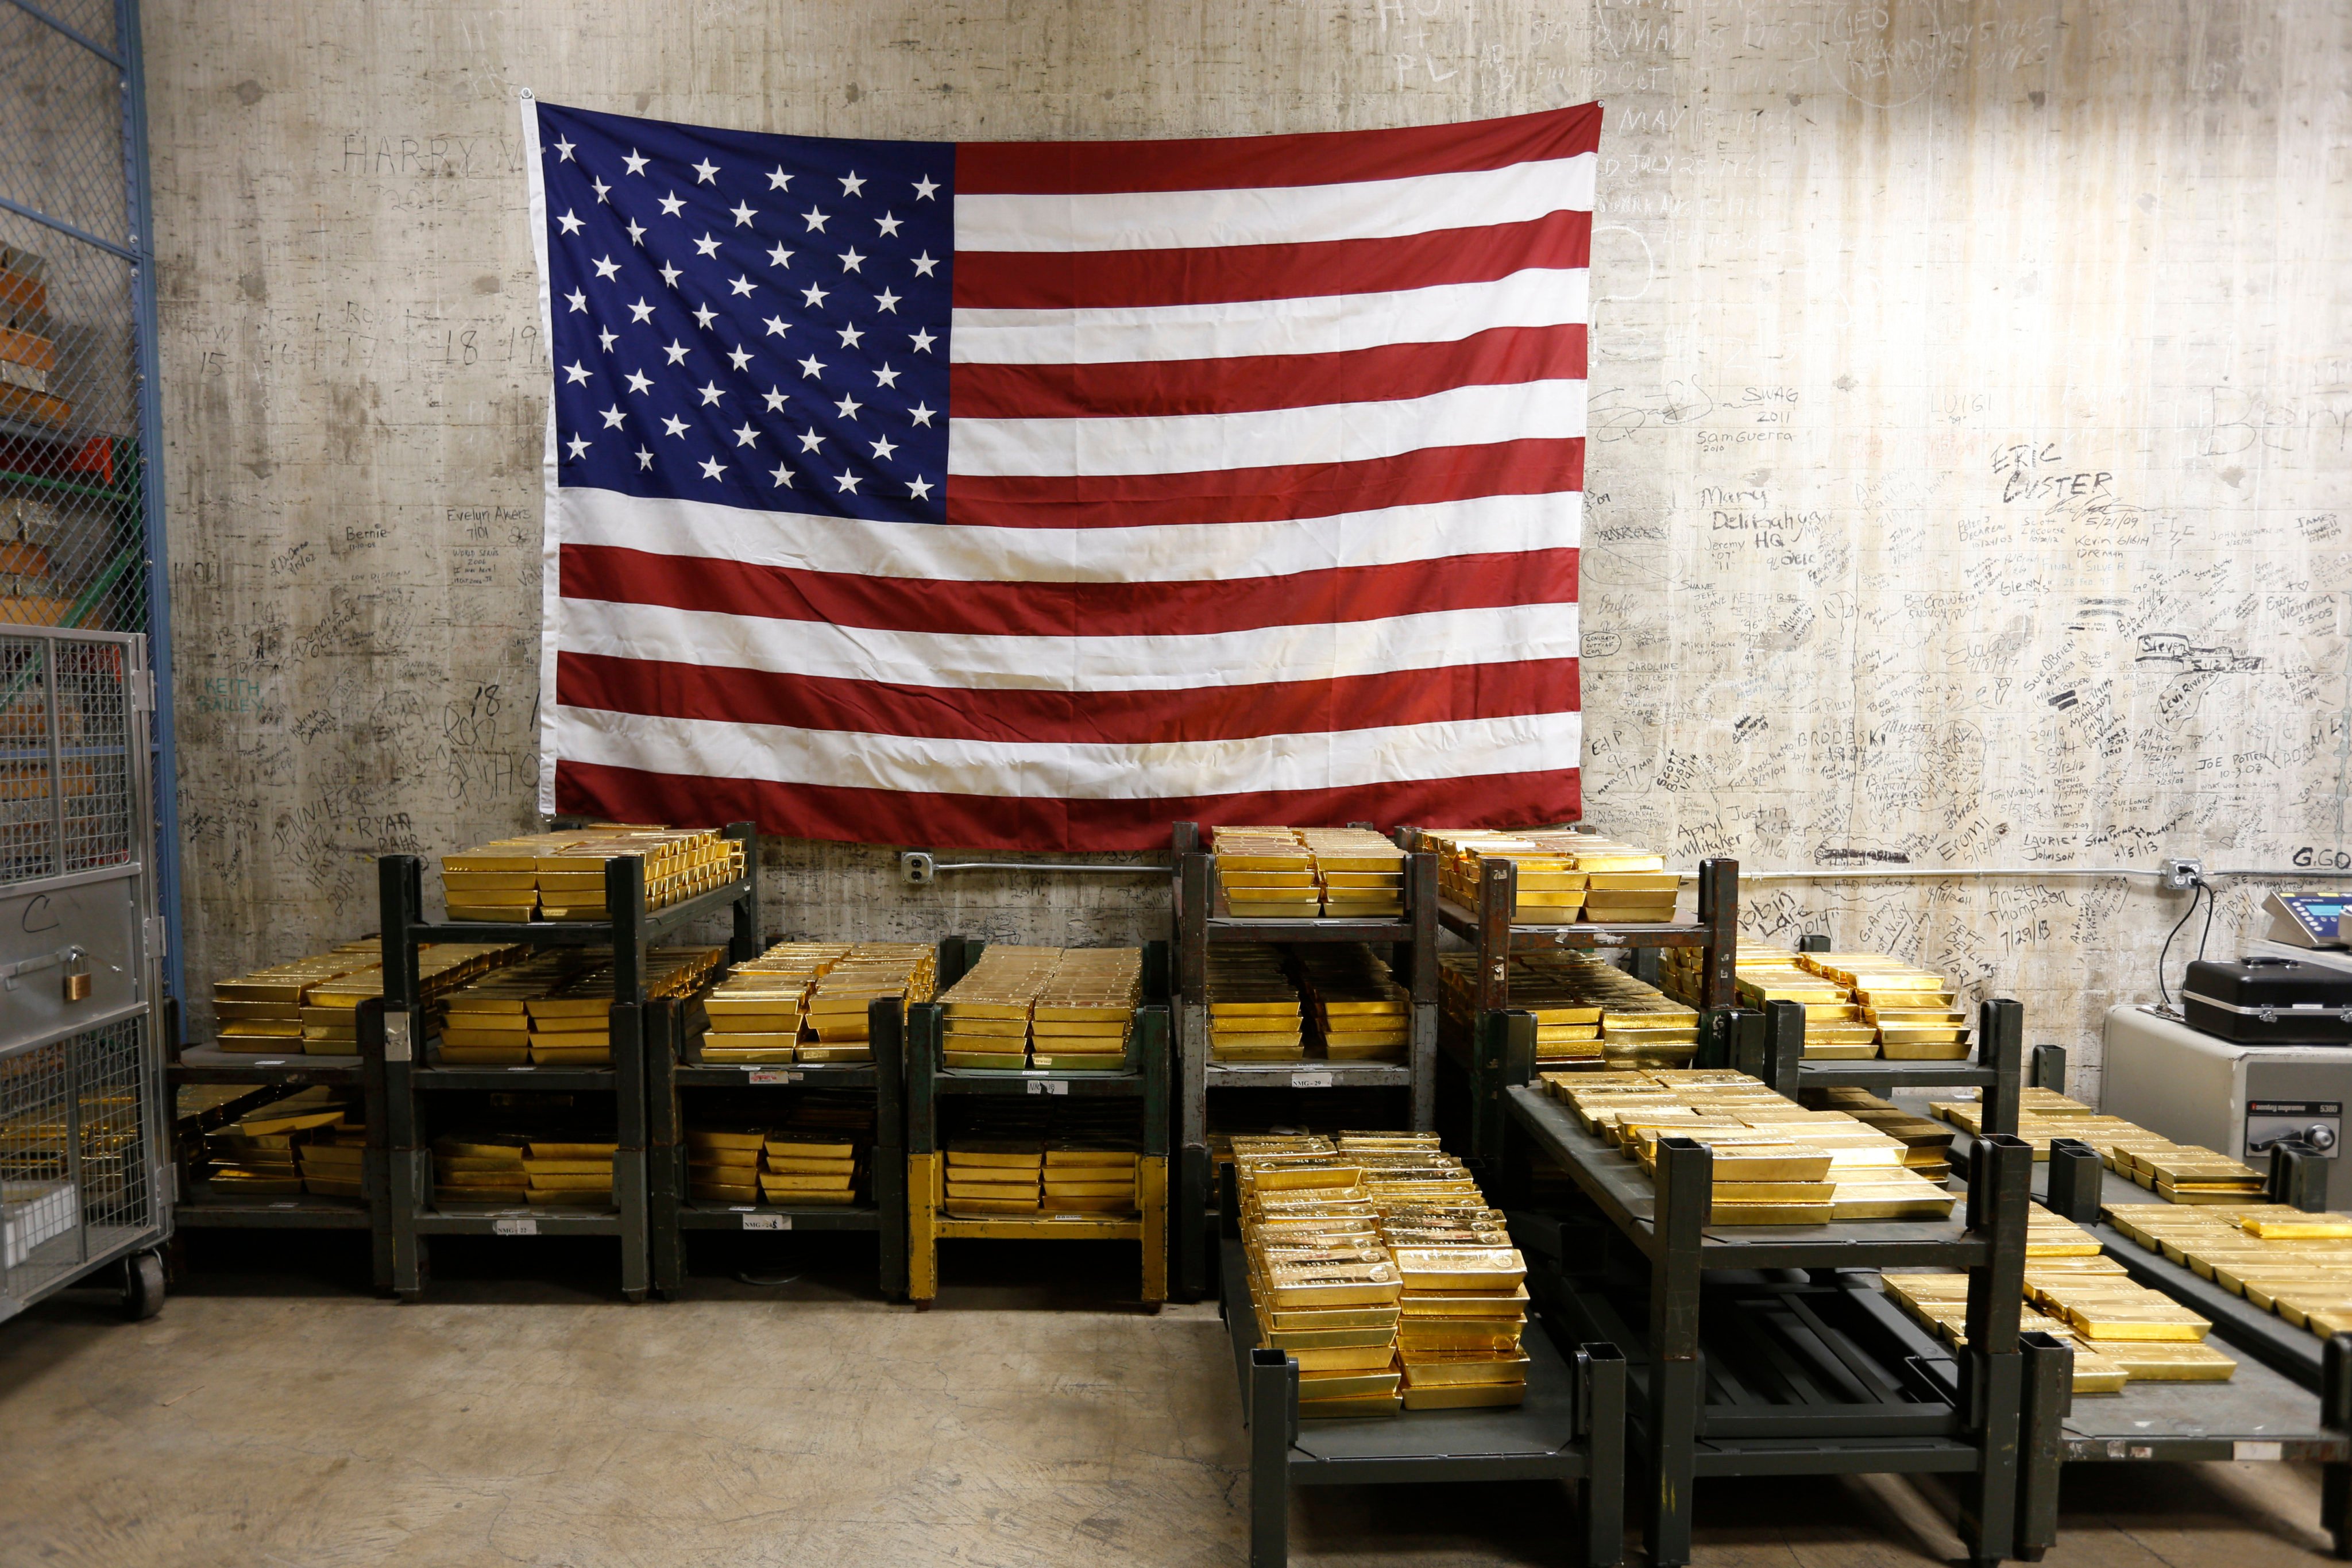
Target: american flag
1038, 494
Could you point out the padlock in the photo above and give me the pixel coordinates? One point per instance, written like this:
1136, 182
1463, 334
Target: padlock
78, 980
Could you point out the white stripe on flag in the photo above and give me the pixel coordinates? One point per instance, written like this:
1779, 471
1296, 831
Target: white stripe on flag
1325, 433
1057, 770
1284, 214
822, 650
1191, 552
1315, 325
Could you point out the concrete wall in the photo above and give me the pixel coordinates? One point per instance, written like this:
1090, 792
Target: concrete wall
1970, 401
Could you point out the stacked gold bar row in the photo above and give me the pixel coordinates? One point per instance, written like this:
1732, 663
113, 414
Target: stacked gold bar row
2119, 1331
311, 1005
2280, 1260
2177, 1172
1561, 876
1585, 1009
1300, 873
554, 1009
561, 875
1066, 1009
1376, 1264
802, 1001
509, 1168
1775, 1161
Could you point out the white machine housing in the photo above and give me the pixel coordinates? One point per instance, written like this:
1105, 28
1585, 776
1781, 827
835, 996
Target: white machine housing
2237, 1100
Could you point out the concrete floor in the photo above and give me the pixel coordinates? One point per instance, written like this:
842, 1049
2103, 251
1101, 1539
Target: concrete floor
268, 1420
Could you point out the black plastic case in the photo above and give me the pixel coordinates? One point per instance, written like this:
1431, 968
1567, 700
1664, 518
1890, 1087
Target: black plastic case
2269, 1002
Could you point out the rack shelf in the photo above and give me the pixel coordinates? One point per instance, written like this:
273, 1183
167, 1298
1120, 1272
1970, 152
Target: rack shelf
1571, 1429
1491, 929
415, 1077
677, 1073
1203, 918
929, 1082
1853, 1410
2290, 1399
201, 1208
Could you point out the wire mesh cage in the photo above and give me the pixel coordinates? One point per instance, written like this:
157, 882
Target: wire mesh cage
76, 1168
81, 1112
80, 537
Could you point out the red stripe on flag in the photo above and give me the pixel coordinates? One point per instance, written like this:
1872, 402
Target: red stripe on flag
711, 584
1430, 475
1500, 357
1248, 163
1000, 822
1215, 275
670, 690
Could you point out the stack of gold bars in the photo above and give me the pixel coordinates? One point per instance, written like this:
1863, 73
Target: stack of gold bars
2280, 1260
905, 971
1550, 887
333, 1161
996, 1175
2177, 1172
1926, 1145
1561, 875
1083, 1016
1349, 873
554, 1009
2119, 1330
1265, 873
1376, 1264
1360, 1013
986, 1013
1255, 1010
1359, 875
1585, 1009
264, 1152
561, 875
1775, 1161
818, 1158
1915, 1011
1835, 1028
1066, 1157
510, 1168
310, 1006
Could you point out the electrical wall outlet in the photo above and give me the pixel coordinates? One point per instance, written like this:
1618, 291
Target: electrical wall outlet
917, 868
2179, 875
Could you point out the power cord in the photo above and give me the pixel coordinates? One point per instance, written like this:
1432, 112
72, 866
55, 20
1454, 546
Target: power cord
2199, 888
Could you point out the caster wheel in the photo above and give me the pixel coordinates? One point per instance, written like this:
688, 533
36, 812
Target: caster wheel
142, 1286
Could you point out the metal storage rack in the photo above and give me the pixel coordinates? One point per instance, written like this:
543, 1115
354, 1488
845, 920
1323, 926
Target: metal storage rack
2291, 1398
1491, 929
1144, 1079
200, 1207
1571, 1429
674, 1061
412, 1071
84, 1123
1751, 1373
1204, 918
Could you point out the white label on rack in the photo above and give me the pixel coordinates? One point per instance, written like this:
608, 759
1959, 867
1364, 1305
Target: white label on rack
514, 1227
272, 1062
767, 1222
1049, 1086
2268, 1451
524, 1069
769, 1075
395, 1035
285, 1205
1310, 1081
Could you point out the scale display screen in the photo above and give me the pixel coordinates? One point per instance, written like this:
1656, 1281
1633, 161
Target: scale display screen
2306, 919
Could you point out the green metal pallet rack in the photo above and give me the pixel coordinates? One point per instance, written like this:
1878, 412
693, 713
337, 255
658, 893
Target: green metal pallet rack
679, 1075
1144, 1079
414, 1076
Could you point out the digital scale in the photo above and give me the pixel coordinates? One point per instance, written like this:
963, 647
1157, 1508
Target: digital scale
2308, 919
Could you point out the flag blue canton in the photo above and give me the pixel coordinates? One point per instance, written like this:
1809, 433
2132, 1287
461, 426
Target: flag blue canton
750, 320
